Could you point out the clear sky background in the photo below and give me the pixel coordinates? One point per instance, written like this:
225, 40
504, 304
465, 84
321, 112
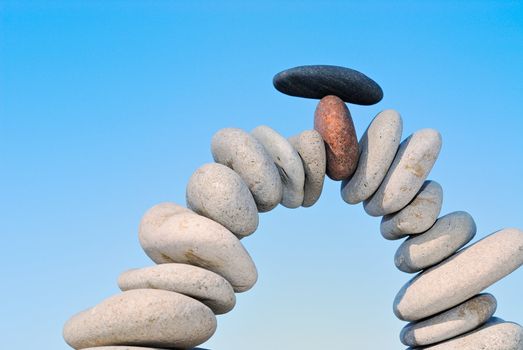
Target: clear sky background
107, 107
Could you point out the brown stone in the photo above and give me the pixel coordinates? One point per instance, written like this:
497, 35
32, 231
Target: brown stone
333, 121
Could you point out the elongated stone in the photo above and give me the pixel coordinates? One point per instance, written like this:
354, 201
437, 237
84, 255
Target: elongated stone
451, 323
123, 347
415, 158
461, 276
311, 148
170, 234
142, 317
418, 216
241, 152
378, 146
449, 233
208, 287
288, 163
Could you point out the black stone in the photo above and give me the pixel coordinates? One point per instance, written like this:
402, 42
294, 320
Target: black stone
320, 81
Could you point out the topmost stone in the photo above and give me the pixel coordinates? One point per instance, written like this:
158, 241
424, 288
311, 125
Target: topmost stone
320, 81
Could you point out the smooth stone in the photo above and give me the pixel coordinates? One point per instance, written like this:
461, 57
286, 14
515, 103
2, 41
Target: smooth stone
451, 323
496, 334
205, 286
378, 146
244, 154
461, 276
123, 347
418, 216
219, 193
311, 148
169, 234
287, 161
333, 121
449, 233
318, 81
415, 158
142, 317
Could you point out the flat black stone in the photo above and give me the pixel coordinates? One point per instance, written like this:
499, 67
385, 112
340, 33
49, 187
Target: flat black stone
320, 80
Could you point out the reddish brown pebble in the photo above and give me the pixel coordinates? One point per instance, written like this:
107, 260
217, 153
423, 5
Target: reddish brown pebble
333, 121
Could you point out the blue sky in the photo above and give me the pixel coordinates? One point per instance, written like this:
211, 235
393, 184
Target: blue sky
106, 108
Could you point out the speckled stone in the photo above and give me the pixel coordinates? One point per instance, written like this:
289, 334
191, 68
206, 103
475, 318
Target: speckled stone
218, 193
378, 146
413, 162
449, 233
451, 323
496, 334
319, 81
311, 148
205, 286
418, 216
461, 276
142, 317
333, 121
288, 163
170, 234
241, 152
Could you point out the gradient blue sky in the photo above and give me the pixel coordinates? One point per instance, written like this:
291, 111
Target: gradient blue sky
107, 107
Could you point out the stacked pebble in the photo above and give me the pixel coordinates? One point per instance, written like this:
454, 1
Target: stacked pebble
202, 262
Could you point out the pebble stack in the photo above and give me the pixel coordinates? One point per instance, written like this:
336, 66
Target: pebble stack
201, 262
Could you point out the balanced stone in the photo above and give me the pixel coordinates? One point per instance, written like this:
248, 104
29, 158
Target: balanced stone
378, 146
142, 317
319, 81
448, 234
287, 161
451, 323
244, 154
415, 158
461, 276
218, 193
169, 234
208, 287
418, 216
311, 148
124, 347
333, 121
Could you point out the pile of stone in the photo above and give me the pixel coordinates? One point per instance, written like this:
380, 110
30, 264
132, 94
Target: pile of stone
202, 262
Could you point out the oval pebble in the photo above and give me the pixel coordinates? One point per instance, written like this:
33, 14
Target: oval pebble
318, 81
461, 276
415, 158
418, 216
218, 193
378, 146
142, 317
333, 121
451, 323
311, 148
205, 286
188, 238
241, 152
448, 234
123, 347
287, 161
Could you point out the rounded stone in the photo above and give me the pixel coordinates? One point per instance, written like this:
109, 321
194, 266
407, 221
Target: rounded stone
311, 148
288, 163
418, 216
124, 347
142, 317
205, 286
241, 152
333, 121
218, 193
318, 81
451, 323
378, 146
449, 233
170, 234
461, 276
415, 158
